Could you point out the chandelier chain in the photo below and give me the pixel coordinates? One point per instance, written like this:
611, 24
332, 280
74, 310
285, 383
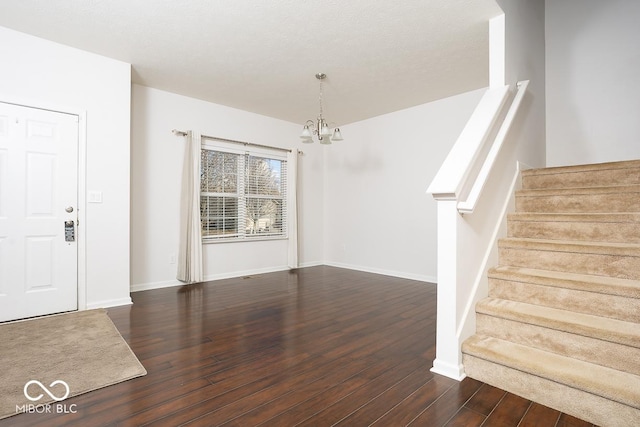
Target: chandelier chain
320, 97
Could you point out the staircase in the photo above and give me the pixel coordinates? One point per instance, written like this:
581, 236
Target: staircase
561, 325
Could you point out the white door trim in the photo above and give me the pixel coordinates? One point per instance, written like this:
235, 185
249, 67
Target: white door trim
82, 183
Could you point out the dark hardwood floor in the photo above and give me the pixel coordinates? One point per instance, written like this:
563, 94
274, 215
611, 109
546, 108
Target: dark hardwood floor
319, 346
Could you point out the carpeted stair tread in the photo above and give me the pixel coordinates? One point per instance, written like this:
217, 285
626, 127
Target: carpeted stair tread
603, 328
563, 398
620, 198
607, 248
588, 377
554, 170
583, 179
583, 282
580, 301
617, 173
586, 348
598, 258
574, 191
616, 217
597, 227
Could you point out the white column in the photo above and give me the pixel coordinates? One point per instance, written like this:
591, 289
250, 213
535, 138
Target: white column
448, 360
497, 58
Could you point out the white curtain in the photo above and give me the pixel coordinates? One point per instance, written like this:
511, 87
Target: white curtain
190, 250
292, 207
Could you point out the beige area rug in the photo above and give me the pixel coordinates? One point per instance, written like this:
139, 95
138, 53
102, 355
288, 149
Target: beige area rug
82, 350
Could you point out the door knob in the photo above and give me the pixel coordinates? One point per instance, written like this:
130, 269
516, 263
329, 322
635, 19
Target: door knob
69, 209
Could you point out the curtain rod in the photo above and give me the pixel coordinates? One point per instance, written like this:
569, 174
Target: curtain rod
183, 133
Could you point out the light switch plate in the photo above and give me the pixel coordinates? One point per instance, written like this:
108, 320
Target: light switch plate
95, 196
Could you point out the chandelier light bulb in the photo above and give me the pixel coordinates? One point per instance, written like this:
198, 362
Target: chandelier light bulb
306, 134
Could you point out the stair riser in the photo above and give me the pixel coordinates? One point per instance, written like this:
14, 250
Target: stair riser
579, 203
626, 267
595, 178
593, 350
577, 231
612, 306
582, 405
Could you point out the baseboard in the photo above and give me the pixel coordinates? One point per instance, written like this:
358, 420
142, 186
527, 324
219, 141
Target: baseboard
242, 273
109, 303
230, 275
155, 285
455, 372
311, 264
392, 273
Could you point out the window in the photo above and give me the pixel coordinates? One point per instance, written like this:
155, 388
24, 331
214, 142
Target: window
242, 196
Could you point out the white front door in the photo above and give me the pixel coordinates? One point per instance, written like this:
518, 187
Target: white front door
38, 201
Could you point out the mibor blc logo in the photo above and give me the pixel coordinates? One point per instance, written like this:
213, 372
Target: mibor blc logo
58, 390
46, 390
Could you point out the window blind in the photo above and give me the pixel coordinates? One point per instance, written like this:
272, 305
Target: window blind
243, 196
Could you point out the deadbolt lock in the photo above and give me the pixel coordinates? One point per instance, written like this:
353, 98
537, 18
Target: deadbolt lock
69, 231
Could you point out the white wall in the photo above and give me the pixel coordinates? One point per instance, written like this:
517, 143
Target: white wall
593, 89
378, 216
525, 60
44, 74
156, 163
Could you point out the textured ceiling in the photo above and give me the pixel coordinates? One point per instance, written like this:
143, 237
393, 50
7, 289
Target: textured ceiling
261, 56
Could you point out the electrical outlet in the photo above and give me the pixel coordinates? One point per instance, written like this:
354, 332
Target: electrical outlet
172, 259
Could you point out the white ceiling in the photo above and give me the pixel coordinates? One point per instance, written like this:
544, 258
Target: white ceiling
261, 56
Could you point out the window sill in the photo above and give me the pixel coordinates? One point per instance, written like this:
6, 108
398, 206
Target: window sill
206, 241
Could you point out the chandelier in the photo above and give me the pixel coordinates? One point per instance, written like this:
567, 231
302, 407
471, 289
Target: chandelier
320, 128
